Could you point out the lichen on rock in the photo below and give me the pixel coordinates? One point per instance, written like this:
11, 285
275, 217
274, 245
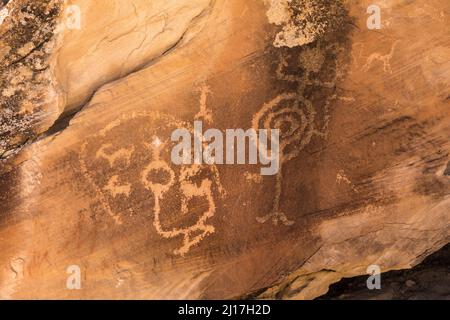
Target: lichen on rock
303, 21
27, 95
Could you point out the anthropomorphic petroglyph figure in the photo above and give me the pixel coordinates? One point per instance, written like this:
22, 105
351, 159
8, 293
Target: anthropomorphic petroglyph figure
294, 118
188, 190
134, 179
309, 55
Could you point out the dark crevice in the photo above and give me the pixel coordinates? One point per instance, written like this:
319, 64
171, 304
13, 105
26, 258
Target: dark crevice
38, 47
64, 119
428, 280
447, 170
60, 124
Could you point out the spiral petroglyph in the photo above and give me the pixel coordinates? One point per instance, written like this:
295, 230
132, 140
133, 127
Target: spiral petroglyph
294, 118
308, 55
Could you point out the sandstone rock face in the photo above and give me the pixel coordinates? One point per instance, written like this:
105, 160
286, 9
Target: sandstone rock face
65, 51
90, 92
130, 36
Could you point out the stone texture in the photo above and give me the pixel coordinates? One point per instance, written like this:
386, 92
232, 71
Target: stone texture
28, 98
363, 177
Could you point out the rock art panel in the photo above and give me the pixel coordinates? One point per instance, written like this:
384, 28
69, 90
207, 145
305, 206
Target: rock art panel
131, 178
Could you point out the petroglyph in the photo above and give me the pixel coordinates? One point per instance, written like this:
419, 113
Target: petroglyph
294, 118
205, 113
115, 156
385, 59
17, 267
133, 173
188, 191
342, 177
347, 99
116, 189
253, 177
122, 276
310, 56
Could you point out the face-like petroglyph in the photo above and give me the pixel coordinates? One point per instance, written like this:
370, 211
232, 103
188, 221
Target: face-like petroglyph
310, 51
189, 190
128, 165
113, 157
